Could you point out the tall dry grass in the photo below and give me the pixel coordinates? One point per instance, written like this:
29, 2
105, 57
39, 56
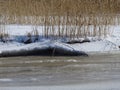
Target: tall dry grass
3, 34
63, 18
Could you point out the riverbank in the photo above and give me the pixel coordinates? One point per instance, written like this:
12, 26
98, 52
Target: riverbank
57, 48
19, 43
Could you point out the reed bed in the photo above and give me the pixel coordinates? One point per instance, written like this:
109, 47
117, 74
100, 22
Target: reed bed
3, 34
63, 18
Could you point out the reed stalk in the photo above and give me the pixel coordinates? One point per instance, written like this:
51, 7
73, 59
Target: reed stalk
73, 18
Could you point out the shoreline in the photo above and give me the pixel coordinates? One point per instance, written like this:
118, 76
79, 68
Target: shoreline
104, 52
82, 54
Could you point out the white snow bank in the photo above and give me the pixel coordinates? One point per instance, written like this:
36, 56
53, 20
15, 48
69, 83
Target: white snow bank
38, 48
15, 29
18, 46
110, 43
21, 29
98, 46
40, 45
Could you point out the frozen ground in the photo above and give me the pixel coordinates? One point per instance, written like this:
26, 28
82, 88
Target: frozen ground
109, 44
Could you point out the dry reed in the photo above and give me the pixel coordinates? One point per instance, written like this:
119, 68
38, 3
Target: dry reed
63, 18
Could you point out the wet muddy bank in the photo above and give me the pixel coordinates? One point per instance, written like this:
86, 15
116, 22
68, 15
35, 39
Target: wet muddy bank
43, 52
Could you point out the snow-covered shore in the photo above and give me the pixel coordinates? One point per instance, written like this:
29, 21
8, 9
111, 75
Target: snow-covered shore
109, 44
40, 48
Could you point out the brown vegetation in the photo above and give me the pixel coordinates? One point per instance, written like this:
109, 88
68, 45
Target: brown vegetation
3, 34
73, 18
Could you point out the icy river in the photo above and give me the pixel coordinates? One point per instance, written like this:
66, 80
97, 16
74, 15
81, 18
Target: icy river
48, 71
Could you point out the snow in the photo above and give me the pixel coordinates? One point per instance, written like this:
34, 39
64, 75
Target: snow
20, 29
19, 46
107, 44
100, 46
